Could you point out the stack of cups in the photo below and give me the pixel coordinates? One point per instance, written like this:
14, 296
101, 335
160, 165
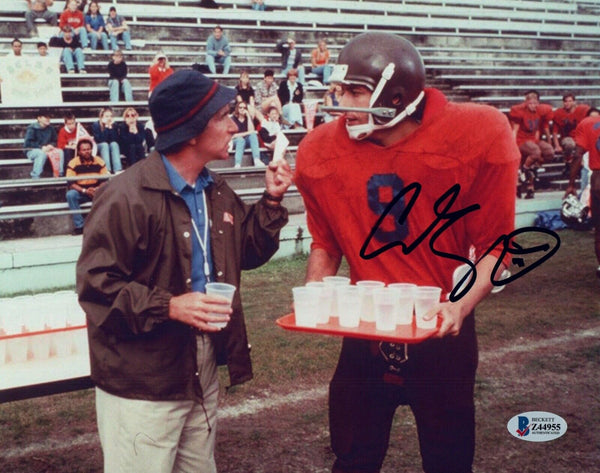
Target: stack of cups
426, 297
367, 309
406, 299
306, 305
335, 282
13, 310
325, 300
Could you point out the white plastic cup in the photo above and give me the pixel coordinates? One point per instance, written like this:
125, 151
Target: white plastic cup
224, 290
39, 346
406, 302
2, 352
306, 305
426, 297
367, 309
349, 305
13, 311
325, 300
335, 282
386, 303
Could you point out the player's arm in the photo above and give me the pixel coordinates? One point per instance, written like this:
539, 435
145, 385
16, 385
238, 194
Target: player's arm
515, 130
454, 313
321, 264
575, 169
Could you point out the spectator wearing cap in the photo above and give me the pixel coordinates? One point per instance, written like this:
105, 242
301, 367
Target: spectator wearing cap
291, 58
148, 252
159, 70
84, 165
218, 51
40, 140
118, 29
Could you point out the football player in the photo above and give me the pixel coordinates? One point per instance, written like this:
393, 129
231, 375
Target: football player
406, 185
587, 138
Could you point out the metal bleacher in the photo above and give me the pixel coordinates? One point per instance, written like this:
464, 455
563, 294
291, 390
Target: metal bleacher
480, 50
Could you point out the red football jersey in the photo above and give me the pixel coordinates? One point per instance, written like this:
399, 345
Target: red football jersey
587, 135
530, 122
564, 123
465, 151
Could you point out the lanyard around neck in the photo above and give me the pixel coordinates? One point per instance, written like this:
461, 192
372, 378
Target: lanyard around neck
203, 241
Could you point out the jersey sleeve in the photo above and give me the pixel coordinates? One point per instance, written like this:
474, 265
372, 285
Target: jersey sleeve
494, 189
310, 184
581, 137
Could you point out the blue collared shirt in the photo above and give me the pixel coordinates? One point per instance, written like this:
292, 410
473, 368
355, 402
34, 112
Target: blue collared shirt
195, 203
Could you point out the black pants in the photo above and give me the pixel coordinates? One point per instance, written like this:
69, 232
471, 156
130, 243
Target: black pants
437, 382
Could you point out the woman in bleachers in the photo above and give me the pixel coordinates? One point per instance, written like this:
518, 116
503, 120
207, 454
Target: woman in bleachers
96, 27
246, 135
73, 17
245, 92
159, 70
107, 138
80, 4
132, 137
290, 95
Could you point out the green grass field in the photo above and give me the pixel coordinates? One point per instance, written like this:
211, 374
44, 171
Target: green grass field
539, 345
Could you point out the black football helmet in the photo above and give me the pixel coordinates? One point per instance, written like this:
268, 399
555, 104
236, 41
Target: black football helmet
389, 66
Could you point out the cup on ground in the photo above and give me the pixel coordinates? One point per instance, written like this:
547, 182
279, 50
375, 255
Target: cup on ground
325, 300
385, 302
306, 305
349, 306
426, 297
224, 290
406, 300
367, 309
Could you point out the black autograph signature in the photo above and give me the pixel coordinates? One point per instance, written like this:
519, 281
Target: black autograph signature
446, 218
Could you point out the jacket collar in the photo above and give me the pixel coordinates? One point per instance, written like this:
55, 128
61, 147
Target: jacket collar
154, 175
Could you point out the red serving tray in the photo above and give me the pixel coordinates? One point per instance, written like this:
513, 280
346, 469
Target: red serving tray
366, 330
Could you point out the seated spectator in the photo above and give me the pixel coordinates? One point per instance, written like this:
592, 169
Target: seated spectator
74, 18
246, 135
40, 141
258, 5
332, 99
291, 58
265, 95
245, 92
42, 49
84, 164
38, 9
159, 70
528, 119
80, 4
117, 78
218, 51
117, 29
96, 27
132, 137
319, 61
16, 48
69, 134
71, 50
564, 122
290, 95
269, 127
106, 137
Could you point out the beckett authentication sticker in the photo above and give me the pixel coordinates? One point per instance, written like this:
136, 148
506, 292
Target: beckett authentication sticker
537, 426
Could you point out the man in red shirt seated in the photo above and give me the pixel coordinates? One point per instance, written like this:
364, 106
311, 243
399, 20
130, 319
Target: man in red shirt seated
564, 122
529, 119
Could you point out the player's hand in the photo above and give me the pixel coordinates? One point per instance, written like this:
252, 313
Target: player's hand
569, 190
193, 309
452, 318
278, 177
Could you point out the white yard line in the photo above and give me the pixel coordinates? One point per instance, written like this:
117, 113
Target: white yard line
256, 406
